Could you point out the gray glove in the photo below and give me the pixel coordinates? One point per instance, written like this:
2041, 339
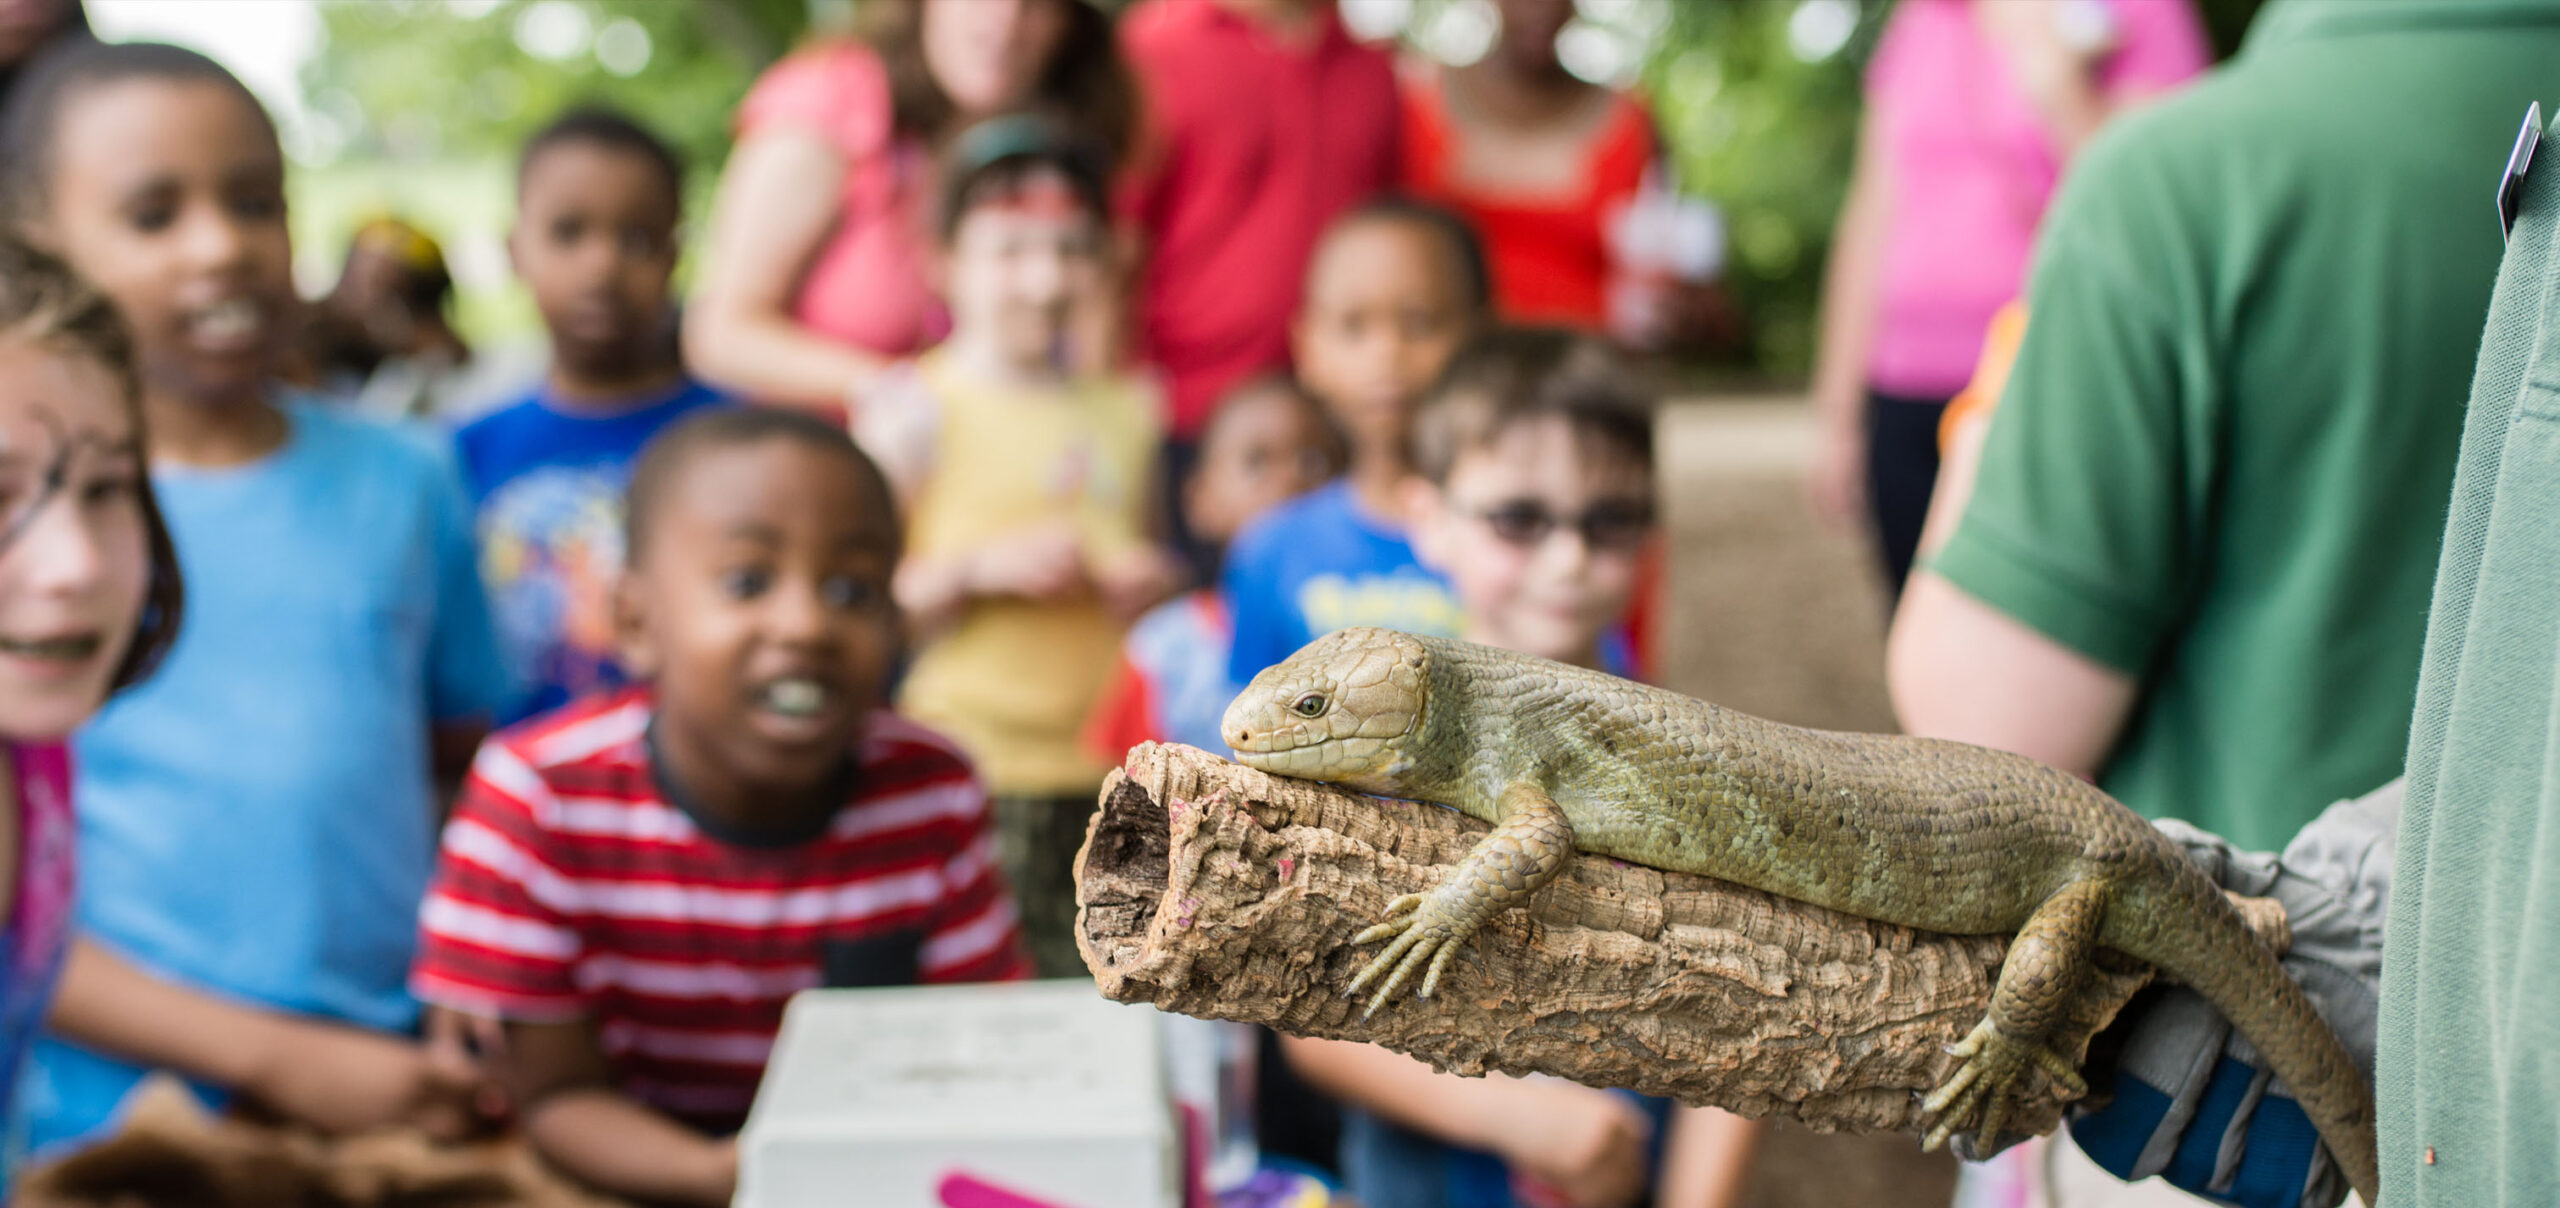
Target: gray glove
2190, 1099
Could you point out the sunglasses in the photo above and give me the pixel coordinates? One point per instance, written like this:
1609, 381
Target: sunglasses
1610, 526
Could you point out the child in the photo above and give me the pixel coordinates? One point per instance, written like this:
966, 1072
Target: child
637, 884
256, 821
1027, 553
1266, 443
89, 602
1392, 291
597, 202
379, 338
1534, 493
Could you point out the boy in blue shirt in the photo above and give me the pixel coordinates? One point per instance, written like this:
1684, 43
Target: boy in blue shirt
1392, 290
597, 198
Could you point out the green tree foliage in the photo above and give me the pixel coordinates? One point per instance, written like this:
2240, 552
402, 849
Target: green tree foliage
1768, 133
431, 81
417, 108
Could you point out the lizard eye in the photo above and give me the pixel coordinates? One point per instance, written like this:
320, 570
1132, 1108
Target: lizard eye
1311, 705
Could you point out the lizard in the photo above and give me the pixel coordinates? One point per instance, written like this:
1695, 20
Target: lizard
1924, 833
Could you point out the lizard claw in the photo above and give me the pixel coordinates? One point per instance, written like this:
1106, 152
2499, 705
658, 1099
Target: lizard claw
1409, 906
1405, 941
1416, 947
1978, 1096
1423, 940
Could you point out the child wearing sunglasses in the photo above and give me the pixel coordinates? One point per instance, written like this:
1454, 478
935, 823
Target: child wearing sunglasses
1534, 495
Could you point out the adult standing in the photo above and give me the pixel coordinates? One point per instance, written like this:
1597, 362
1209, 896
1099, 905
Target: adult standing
1973, 108
1265, 120
816, 278
2197, 558
1547, 167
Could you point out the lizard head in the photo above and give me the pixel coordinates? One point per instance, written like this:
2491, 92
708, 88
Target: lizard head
1335, 710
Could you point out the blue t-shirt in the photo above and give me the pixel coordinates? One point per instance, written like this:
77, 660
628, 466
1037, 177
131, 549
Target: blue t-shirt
547, 482
258, 818
1319, 563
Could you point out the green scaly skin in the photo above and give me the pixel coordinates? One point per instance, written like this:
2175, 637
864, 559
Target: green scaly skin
1924, 833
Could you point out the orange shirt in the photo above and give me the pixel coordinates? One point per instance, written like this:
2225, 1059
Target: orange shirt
1990, 373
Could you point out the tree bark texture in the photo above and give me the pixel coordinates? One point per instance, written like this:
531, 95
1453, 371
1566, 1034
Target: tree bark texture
1211, 889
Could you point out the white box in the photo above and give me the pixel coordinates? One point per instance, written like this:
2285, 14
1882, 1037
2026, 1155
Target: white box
1046, 1089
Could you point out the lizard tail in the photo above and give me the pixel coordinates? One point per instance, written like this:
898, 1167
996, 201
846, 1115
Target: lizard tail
2201, 939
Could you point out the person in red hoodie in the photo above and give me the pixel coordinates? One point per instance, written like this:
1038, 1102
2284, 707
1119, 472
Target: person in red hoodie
1264, 121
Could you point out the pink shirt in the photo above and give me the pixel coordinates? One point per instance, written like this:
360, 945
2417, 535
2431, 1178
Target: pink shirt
1254, 144
39, 927
1972, 169
868, 285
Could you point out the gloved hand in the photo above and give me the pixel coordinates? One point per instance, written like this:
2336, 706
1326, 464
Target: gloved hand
2190, 1100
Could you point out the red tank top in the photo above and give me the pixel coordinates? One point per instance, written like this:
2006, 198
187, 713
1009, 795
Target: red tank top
1549, 253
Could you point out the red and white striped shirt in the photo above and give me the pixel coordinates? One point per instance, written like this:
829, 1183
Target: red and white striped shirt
569, 888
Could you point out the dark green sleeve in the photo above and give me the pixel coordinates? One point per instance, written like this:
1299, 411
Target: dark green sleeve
2098, 465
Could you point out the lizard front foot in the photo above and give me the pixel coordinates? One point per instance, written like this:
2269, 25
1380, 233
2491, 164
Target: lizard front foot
1424, 929
1525, 850
1978, 1097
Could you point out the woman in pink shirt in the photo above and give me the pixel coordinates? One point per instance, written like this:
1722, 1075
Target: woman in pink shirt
1973, 107
816, 276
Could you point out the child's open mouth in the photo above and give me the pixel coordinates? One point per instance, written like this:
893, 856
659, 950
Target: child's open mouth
230, 325
794, 696
797, 709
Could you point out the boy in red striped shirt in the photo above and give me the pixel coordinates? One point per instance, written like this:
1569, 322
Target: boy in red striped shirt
632, 887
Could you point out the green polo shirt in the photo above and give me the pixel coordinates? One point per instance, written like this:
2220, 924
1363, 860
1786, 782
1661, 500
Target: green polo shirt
2223, 457
2468, 1052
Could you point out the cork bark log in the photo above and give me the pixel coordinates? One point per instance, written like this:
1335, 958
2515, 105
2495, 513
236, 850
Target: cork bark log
1211, 889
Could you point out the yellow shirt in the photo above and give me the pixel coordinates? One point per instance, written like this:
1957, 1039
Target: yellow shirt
1012, 681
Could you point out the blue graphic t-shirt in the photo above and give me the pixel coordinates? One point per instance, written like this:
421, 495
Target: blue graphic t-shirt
546, 482
1319, 563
